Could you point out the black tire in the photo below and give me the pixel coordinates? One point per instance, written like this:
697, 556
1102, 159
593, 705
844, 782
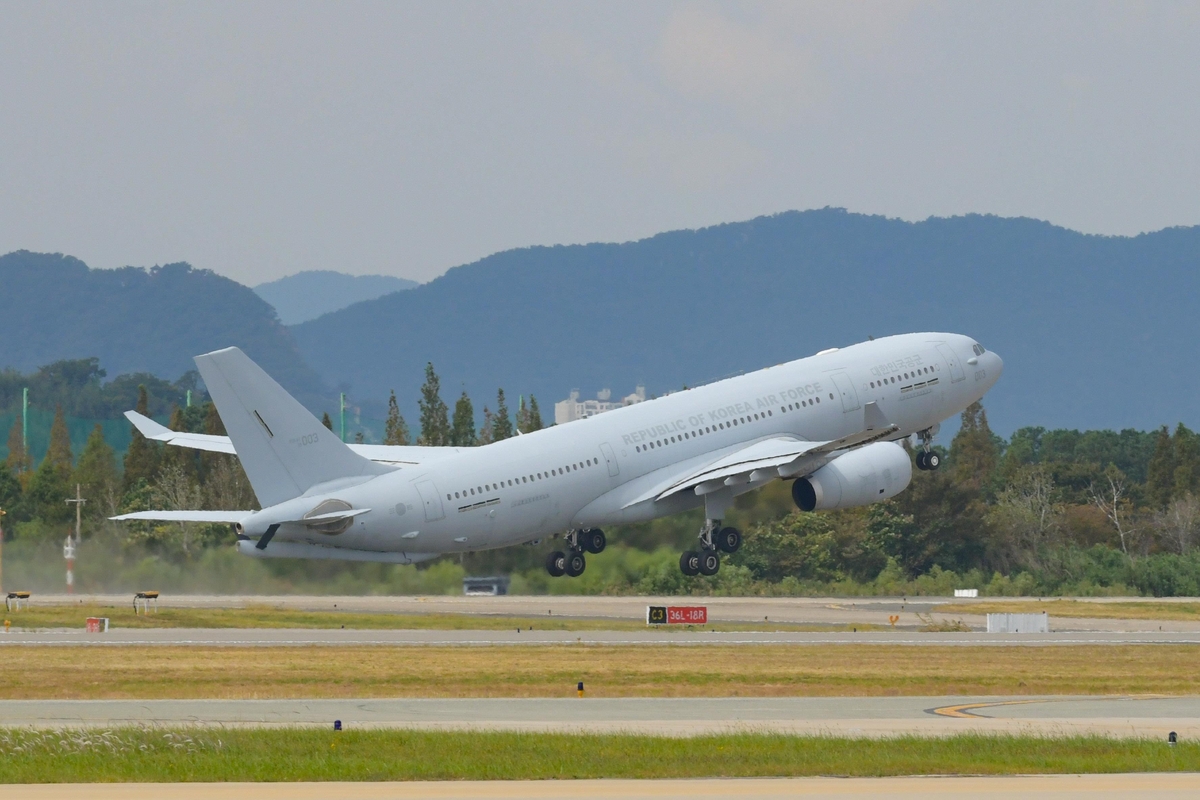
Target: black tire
576, 564
689, 563
594, 541
710, 563
921, 455
729, 540
556, 564
932, 461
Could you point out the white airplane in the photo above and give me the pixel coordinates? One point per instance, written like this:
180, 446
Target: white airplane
830, 423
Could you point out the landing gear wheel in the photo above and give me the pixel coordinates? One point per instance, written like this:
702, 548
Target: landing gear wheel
593, 541
689, 563
710, 563
729, 540
556, 564
932, 461
921, 456
576, 565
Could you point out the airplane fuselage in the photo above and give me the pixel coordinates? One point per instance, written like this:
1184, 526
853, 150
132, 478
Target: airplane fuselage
605, 469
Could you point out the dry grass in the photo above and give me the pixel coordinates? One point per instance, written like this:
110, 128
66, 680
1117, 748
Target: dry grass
37, 672
1080, 609
73, 616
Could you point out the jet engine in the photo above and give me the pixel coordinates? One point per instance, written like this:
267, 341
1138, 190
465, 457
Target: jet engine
858, 478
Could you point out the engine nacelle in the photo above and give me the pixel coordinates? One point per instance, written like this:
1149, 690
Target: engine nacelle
858, 478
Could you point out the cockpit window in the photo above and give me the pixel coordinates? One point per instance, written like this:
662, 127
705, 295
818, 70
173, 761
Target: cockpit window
978, 349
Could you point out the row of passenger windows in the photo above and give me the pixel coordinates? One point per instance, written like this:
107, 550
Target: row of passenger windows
720, 426
537, 476
905, 376
812, 401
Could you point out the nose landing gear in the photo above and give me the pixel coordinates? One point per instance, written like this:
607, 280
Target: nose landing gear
572, 562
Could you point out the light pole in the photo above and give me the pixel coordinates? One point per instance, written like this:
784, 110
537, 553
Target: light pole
69, 547
2, 513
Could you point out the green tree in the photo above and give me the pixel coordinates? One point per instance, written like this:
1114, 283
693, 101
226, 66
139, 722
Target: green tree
435, 416
462, 431
59, 452
502, 427
97, 475
142, 457
529, 418
485, 430
326, 421
182, 458
48, 491
1187, 462
1160, 472
18, 460
974, 453
395, 431
10, 497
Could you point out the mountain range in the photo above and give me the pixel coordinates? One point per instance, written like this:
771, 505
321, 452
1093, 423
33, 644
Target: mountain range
1095, 331
136, 320
307, 295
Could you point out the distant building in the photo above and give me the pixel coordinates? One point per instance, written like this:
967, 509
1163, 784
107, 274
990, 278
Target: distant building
573, 408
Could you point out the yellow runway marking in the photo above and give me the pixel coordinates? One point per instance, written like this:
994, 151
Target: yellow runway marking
964, 710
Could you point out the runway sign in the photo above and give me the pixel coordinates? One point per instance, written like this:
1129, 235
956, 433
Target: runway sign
676, 615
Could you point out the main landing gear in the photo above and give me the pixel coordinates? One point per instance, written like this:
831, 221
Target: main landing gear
572, 563
714, 540
926, 458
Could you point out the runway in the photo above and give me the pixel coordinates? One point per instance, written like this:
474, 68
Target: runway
912, 612
296, 637
1160, 786
850, 716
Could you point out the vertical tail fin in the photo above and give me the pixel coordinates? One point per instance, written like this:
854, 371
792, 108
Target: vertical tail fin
284, 449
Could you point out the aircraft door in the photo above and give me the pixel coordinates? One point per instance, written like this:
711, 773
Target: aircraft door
431, 500
956, 370
610, 460
845, 388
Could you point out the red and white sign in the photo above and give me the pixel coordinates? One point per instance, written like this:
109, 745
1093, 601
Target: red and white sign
687, 615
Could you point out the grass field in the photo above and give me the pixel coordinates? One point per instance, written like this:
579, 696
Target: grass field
65, 616
37, 672
138, 754
1077, 608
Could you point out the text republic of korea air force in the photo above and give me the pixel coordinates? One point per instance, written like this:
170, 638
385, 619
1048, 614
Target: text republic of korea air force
831, 423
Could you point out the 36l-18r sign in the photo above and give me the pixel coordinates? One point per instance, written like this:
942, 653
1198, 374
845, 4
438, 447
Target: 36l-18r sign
676, 615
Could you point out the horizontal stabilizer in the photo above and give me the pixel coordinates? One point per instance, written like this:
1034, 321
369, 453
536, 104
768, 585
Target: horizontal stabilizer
196, 441
187, 516
400, 455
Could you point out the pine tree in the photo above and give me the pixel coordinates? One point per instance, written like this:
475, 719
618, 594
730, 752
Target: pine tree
485, 430
59, 452
182, 458
49, 488
1187, 462
435, 417
10, 496
18, 460
462, 430
141, 459
96, 473
529, 418
1160, 472
973, 452
395, 430
326, 421
502, 427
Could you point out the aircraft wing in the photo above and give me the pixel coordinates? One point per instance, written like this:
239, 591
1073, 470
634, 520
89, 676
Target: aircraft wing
777, 457
382, 453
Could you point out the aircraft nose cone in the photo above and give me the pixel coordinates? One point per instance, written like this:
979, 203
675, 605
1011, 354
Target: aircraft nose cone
996, 367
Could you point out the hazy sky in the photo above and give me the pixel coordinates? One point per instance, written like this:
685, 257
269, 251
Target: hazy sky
260, 139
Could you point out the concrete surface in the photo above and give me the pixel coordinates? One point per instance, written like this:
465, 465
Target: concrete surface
1160, 786
852, 716
789, 610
